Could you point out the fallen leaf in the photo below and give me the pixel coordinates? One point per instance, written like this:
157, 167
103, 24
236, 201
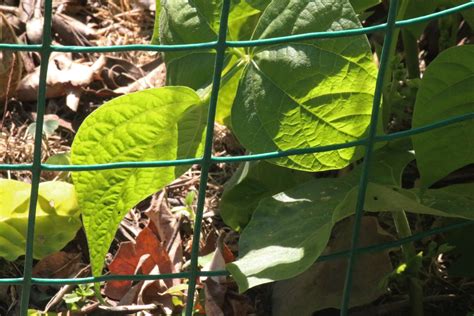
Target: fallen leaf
10, 61
166, 225
129, 258
321, 286
222, 255
58, 265
154, 79
223, 299
154, 292
64, 76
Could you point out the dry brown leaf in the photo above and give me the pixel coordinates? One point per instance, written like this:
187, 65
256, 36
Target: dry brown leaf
222, 255
321, 286
10, 61
166, 225
154, 79
153, 292
64, 76
223, 299
58, 265
142, 255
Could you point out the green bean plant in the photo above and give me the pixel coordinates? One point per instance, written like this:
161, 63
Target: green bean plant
278, 97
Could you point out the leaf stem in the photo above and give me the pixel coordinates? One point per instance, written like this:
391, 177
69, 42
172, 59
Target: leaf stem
410, 47
415, 289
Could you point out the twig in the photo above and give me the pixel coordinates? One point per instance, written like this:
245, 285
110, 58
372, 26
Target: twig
129, 308
64, 290
9, 9
9, 82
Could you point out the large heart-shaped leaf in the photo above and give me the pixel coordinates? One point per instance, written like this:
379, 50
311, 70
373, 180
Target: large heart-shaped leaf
57, 218
306, 94
156, 124
445, 91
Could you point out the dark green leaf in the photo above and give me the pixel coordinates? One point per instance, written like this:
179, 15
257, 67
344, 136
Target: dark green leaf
445, 91
253, 182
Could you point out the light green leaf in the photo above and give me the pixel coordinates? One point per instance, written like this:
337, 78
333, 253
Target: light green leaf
243, 18
156, 124
155, 38
445, 91
57, 218
49, 127
292, 94
60, 159
251, 183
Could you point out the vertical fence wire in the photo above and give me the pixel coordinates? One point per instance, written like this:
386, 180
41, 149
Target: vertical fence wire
36, 167
207, 158
369, 148
220, 46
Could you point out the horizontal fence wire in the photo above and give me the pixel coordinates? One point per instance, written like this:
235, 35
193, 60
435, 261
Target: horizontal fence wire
182, 275
220, 46
242, 158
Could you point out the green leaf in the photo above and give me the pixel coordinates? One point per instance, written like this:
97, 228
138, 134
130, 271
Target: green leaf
156, 124
417, 8
292, 94
185, 22
463, 256
57, 218
320, 287
60, 159
389, 163
289, 231
445, 91
155, 39
362, 5
243, 17
251, 183
49, 127
258, 4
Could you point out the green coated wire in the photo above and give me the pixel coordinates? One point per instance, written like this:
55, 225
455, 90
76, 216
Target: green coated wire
207, 162
36, 167
369, 149
242, 158
182, 275
250, 43
220, 46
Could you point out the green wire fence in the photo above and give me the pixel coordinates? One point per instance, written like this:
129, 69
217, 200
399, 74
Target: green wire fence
220, 46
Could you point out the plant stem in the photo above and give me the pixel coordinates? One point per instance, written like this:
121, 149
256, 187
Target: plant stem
415, 289
410, 47
387, 93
